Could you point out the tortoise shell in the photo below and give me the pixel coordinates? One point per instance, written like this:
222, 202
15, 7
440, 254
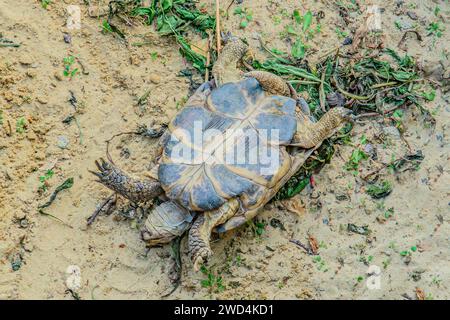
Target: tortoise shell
233, 146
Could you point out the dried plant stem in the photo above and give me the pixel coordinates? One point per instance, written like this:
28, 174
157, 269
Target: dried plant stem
218, 25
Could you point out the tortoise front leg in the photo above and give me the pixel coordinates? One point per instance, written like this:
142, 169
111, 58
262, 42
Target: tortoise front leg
200, 232
310, 134
130, 188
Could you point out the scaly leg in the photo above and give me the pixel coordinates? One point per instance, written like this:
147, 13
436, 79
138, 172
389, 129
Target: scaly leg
225, 69
310, 134
199, 234
272, 83
130, 188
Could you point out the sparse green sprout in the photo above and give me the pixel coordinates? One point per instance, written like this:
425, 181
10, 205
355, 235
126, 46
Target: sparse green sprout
437, 10
430, 96
1, 117
436, 280
154, 56
435, 29
389, 213
398, 25
398, 116
405, 253
341, 34
379, 190
321, 265
43, 180
45, 3
353, 163
68, 62
366, 260
276, 20
21, 125
212, 282
246, 16
259, 227
359, 279
386, 263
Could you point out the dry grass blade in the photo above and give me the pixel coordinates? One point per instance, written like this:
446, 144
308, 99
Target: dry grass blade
218, 25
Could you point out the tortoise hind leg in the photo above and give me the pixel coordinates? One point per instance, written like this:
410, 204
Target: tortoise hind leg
130, 188
225, 69
200, 232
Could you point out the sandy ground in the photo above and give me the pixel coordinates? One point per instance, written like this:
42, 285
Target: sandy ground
109, 253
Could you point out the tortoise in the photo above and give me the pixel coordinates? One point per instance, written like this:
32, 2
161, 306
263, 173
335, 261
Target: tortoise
204, 186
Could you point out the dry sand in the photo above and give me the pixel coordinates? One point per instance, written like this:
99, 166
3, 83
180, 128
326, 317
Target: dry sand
109, 253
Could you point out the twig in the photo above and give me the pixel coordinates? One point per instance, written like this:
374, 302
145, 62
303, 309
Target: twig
218, 25
301, 245
54, 217
108, 155
107, 204
208, 58
322, 96
83, 69
228, 8
419, 37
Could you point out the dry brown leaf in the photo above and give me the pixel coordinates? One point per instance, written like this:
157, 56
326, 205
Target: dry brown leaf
294, 206
313, 244
420, 294
360, 34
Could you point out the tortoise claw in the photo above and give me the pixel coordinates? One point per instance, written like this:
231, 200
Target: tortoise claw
104, 169
200, 258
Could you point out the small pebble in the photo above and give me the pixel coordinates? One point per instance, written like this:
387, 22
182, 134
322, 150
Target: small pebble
67, 38
24, 223
155, 78
412, 15
392, 132
347, 41
26, 60
63, 142
42, 100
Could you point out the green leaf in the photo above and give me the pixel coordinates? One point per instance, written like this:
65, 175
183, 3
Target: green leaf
166, 5
291, 30
379, 190
243, 24
297, 17
429, 95
298, 49
307, 19
238, 10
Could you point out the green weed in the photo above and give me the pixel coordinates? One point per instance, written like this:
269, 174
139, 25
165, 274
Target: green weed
43, 186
